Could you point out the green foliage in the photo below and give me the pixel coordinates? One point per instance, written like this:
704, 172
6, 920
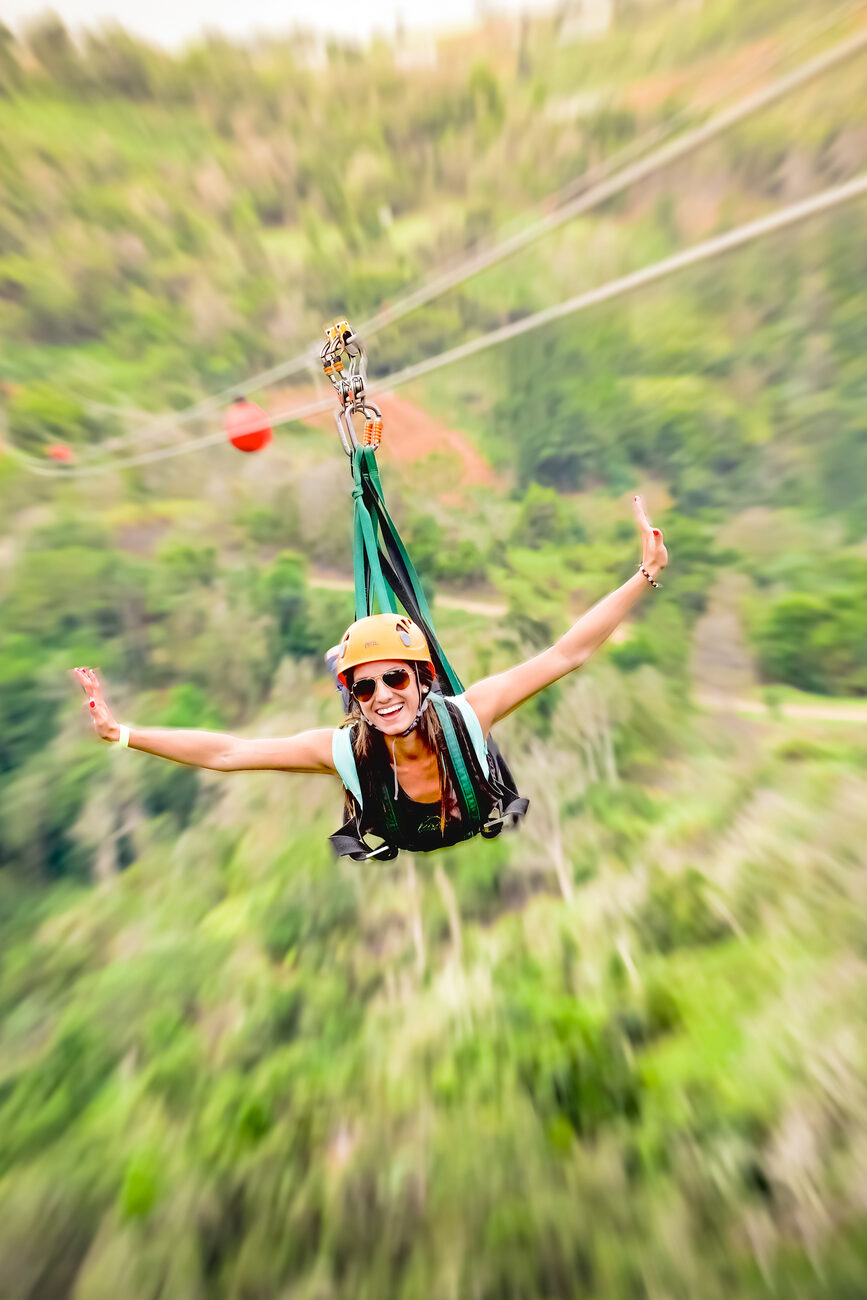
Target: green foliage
40, 803
39, 1105
562, 435
187, 706
461, 563
480, 870
284, 588
271, 527
303, 623
185, 564
28, 705
237, 1069
140, 1185
817, 642
677, 913
545, 518
164, 790
660, 640
307, 913
424, 539
42, 414
576, 1069
61, 593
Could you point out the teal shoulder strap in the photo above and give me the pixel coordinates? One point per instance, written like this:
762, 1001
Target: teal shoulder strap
474, 727
459, 767
344, 761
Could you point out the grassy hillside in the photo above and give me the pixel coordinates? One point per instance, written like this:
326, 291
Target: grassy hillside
620, 1054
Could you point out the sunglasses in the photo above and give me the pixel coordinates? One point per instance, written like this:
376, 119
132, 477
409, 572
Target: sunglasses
396, 679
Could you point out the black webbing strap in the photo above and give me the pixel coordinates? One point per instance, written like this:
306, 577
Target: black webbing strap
383, 566
349, 842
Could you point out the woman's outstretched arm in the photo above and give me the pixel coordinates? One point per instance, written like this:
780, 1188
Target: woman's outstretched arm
309, 751
495, 697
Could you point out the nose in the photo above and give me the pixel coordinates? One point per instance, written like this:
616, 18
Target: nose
382, 694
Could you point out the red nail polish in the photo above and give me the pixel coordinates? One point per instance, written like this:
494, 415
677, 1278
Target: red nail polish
93, 704
656, 532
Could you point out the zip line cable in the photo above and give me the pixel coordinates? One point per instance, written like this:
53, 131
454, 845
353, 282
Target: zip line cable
794, 214
826, 201
598, 186
666, 129
610, 187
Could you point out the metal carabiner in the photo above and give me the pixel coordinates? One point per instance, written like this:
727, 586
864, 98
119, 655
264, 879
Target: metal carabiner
350, 385
372, 425
343, 419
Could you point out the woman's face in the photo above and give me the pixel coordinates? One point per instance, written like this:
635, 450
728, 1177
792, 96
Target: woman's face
391, 709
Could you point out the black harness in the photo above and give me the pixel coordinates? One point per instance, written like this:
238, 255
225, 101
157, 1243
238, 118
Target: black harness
487, 797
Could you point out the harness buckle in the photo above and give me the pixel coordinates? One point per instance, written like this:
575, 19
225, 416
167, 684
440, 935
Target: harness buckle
497, 816
373, 852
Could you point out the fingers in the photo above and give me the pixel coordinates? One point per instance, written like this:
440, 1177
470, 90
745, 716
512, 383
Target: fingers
652, 544
643, 522
640, 515
88, 681
80, 674
641, 518
83, 679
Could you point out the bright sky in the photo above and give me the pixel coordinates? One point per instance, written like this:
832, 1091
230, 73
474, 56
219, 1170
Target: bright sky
171, 22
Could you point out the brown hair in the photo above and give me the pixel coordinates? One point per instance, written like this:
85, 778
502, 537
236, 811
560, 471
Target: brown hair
369, 745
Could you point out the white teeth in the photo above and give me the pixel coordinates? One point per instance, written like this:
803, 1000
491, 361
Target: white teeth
386, 713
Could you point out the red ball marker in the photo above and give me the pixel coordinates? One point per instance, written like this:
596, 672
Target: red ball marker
247, 426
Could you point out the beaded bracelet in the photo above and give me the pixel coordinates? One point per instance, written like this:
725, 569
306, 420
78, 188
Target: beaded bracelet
652, 581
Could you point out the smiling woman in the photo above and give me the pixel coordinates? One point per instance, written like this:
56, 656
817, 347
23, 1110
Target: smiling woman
416, 765
447, 787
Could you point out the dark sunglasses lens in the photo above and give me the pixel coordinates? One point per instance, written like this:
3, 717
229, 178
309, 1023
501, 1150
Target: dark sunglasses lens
396, 679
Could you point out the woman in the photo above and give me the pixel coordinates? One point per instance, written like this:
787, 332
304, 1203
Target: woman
389, 697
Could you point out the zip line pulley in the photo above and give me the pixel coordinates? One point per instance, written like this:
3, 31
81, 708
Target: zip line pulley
341, 341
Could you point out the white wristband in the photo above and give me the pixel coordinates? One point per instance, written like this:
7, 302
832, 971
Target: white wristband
123, 738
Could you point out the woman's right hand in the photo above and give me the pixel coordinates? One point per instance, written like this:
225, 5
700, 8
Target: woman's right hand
100, 714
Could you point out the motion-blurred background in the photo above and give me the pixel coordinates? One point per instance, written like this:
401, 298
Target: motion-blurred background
621, 1054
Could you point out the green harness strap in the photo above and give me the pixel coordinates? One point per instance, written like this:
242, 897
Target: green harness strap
365, 556
459, 767
370, 467
370, 551
368, 556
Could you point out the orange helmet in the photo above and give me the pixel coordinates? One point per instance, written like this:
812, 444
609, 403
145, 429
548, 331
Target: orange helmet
381, 636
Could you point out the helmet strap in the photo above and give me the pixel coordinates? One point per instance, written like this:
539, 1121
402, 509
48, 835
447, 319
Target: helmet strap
423, 703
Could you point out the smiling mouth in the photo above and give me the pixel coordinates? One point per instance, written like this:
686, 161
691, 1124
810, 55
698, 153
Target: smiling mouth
390, 712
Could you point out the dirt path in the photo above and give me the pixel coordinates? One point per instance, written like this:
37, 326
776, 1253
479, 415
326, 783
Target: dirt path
721, 664
819, 712
490, 609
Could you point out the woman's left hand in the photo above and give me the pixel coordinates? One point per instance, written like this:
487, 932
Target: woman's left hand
654, 556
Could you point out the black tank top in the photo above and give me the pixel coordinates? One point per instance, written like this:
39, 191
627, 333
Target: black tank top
424, 821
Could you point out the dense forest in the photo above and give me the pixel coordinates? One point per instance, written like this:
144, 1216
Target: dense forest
621, 1053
